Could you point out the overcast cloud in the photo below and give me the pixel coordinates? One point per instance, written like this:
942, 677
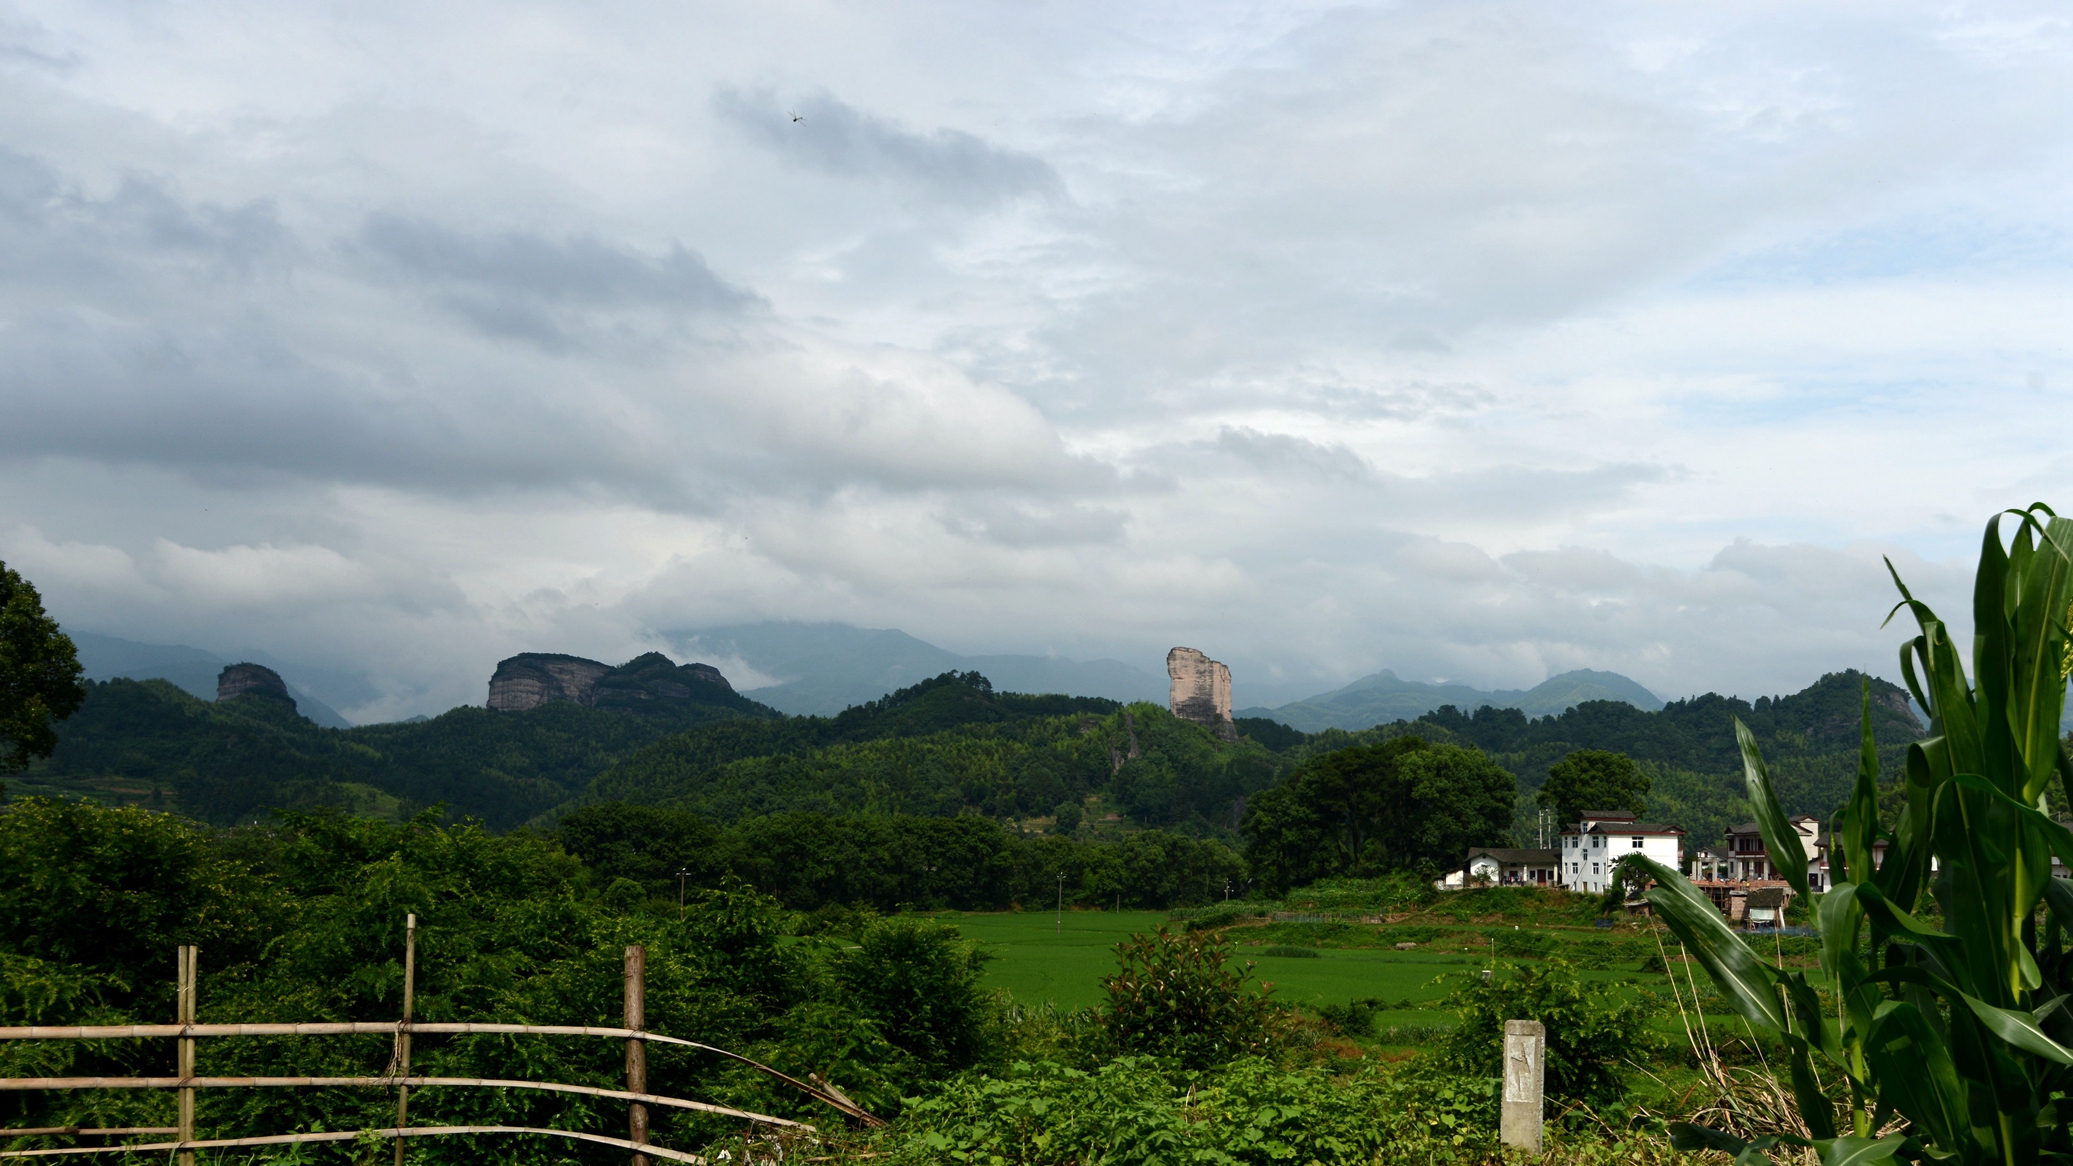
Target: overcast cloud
1475, 341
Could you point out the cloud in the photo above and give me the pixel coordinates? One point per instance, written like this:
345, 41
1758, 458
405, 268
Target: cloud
1471, 341
826, 134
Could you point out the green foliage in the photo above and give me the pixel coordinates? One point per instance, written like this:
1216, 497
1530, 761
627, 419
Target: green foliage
230, 762
1593, 779
1954, 1024
1370, 808
39, 674
1250, 1112
1287, 951
920, 981
1591, 1028
810, 861
1173, 997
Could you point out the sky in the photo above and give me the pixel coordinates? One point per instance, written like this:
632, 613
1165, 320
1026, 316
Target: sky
1475, 341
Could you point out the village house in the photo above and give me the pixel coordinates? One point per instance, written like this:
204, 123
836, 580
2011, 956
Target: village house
1593, 846
1749, 861
1501, 866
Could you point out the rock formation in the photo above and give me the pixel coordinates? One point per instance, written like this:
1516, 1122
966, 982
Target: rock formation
1201, 691
531, 679
238, 680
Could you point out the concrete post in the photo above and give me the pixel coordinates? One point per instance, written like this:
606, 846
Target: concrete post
1525, 1066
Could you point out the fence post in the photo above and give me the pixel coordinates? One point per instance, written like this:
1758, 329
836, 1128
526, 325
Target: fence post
184, 1012
1525, 1064
403, 1034
636, 1049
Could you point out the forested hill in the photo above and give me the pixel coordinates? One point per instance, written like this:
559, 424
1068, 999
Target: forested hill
952, 745
149, 743
1810, 742
947, 746
1697, 733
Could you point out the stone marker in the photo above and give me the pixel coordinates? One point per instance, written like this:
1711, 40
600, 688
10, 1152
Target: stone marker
1525, 1061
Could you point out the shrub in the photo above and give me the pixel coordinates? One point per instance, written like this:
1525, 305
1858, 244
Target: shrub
1353, 1019
1522, 943
920, 981
1287, 952
1173, 997
1590, 1028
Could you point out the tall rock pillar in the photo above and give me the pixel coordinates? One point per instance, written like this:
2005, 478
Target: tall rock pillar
1201, 691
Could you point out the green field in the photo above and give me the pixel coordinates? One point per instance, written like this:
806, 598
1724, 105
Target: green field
1037, 960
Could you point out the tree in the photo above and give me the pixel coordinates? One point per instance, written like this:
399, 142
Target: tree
39, 674
1594, 779
1378, 807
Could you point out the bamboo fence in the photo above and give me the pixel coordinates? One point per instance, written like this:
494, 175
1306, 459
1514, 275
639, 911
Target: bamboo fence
186, 1030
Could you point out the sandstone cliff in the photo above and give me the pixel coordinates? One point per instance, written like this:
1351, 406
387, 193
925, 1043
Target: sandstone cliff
1201, 691
238, 680
531, 679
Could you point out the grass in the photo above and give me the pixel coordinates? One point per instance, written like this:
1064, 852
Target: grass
1036, 959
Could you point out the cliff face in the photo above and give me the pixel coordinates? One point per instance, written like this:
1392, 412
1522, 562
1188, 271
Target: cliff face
238, 680
532, 679
1201, 691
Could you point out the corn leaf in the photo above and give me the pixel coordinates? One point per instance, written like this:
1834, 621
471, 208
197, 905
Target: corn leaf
1788, 850
1743, 978
1916, 1075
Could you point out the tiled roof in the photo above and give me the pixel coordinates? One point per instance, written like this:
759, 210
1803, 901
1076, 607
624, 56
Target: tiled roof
1614, 828
1514, 854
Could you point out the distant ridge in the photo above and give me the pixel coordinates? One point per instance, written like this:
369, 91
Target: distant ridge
191, 669
824, 668
1384, 697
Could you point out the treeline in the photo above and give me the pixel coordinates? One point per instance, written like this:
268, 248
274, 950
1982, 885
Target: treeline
812, 862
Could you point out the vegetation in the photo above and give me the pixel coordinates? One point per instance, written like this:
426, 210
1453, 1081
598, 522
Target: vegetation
1397, 804
39, 674
1948, 962
1593, 779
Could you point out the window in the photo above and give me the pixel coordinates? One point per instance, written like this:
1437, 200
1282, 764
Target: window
1637, 843
1594, 868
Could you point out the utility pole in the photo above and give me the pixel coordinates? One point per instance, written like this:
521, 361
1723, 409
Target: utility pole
681, 876
1061, 902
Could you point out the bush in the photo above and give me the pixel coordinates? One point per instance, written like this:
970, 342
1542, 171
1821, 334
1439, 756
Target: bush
1522, 943
1248, 1114
920, 981
1590, 1028
1287, 952
1173, 997
1354, 1019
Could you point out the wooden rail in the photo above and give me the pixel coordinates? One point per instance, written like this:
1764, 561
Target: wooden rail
186, 1031
19, 1084
351, 1135
395, 1027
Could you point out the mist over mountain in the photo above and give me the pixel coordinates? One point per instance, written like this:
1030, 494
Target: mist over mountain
1384, 697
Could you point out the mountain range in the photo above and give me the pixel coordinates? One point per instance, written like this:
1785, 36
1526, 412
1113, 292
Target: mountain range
823, 668
190, 669
1384, 697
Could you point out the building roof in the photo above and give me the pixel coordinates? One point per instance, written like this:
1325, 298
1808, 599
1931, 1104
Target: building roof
1753, 828
1628, 827
1515, 854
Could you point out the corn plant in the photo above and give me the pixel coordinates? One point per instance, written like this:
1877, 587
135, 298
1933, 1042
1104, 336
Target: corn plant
1943, 1018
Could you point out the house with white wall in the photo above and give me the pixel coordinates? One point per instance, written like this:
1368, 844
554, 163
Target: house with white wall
1749, 860
1593, 846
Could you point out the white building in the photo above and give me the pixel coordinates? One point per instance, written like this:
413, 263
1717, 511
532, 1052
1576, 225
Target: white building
1592, 847
1503, 866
